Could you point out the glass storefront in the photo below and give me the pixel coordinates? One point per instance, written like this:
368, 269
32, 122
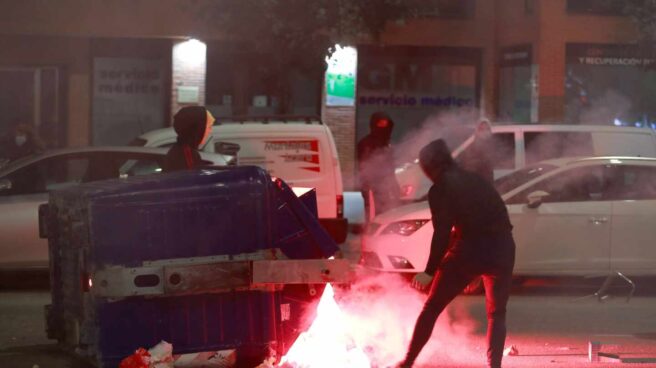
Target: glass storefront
517, 102
609, 84
411, 83
31, 95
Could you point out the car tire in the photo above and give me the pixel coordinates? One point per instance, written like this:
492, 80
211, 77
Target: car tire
475, 287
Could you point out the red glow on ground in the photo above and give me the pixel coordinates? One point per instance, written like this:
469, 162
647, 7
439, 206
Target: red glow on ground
370, 323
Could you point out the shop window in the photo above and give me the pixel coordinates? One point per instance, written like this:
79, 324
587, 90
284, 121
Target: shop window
413, 83
31, 96
515, 86
610, 85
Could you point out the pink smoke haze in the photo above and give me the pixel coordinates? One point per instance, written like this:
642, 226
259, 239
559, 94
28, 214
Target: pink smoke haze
371, 324
454, 126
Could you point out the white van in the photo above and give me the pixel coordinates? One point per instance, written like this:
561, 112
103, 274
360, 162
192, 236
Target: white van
299, 150
521, 145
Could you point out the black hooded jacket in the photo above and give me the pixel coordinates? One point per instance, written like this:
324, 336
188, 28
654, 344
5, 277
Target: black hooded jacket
189, 123
375, 159
463, 201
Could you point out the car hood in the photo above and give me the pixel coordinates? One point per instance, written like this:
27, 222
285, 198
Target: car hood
413, 211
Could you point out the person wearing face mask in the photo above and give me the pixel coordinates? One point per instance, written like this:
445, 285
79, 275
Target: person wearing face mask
376, 167
193, 125
472, 237
23, 142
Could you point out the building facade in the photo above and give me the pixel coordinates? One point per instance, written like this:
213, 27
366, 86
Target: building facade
97, 72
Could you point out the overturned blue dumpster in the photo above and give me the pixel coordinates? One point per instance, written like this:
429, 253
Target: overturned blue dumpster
200, 259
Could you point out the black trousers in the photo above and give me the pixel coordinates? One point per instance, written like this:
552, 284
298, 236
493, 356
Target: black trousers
454, 274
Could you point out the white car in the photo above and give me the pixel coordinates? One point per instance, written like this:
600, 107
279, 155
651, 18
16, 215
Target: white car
521, 145
24, 185
571, 217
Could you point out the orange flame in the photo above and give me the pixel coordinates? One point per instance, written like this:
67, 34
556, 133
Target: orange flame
328, 342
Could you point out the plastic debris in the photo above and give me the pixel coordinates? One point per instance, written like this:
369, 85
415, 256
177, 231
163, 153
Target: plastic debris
159, 356
217, 359
511, 351
140, 359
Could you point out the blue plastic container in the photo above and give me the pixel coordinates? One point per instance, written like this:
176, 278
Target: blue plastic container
201, 213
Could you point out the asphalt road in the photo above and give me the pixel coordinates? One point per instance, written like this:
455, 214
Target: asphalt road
550, 325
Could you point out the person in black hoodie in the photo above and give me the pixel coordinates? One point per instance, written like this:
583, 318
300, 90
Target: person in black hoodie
193, 124
376, 166
472, 237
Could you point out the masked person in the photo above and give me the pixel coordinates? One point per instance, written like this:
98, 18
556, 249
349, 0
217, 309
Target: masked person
23, 142
480, 156
193, 125
472, 237
376, 166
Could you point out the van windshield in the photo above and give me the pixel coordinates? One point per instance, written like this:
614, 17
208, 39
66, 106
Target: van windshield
511, 181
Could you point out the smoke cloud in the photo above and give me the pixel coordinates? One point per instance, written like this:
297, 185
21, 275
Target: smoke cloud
454, 126
611, 106
381, 312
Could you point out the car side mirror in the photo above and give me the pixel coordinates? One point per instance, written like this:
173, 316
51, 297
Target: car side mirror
534, 199
228, 149
5, 184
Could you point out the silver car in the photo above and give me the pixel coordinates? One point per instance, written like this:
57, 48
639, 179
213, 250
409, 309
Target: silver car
25, 183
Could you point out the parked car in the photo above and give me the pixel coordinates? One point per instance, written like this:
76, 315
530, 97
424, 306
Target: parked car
299, 150
571, 217
520, 145
25, 183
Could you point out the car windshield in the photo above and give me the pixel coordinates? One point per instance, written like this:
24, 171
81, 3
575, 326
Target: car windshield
511, 181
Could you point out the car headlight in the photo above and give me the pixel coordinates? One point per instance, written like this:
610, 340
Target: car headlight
400, 263
405, 228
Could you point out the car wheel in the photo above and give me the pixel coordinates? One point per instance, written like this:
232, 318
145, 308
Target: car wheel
475, 287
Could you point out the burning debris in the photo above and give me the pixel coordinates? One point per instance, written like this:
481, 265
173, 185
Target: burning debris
370, 325
329, 342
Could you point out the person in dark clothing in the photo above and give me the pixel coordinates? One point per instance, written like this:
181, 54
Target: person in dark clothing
193, 124
376, 166
472, 238
480, 156
23, 142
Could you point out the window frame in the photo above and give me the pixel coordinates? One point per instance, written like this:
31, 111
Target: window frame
520, 197
622, 169
46, 162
